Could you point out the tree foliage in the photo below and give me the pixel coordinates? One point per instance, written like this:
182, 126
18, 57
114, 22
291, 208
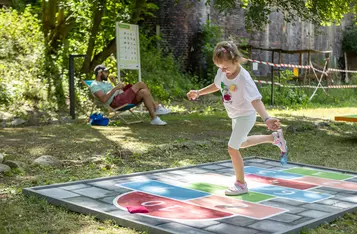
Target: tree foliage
318, 12
349, 41
88, 27
22, 81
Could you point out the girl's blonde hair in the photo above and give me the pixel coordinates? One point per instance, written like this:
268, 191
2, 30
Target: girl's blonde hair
227, 51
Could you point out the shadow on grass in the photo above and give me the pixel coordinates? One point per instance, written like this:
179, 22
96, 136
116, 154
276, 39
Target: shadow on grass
333, 145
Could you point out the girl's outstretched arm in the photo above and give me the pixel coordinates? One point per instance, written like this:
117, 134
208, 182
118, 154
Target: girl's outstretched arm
272, 123
194, 94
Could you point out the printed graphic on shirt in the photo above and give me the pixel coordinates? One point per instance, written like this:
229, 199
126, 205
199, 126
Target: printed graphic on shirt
227, 92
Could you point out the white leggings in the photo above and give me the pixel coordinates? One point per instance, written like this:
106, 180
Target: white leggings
241, 127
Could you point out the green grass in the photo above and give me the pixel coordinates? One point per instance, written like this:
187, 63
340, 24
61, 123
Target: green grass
191, 137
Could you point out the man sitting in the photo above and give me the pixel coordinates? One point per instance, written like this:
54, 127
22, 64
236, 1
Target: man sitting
130, 94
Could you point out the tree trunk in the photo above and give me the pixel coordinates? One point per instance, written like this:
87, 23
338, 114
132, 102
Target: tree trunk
54, 34
137, 6
91, 61
97, 19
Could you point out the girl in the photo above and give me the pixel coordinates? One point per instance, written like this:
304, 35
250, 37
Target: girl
242, 100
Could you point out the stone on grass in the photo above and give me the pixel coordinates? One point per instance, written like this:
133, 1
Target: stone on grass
17, 122
1, 158
94, 160
47, 160
14, 164
291, 129
4, 168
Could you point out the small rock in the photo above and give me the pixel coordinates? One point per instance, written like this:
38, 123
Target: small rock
14, 164
291, 129
124, 153
17, 122
47, 160
4, 168
324, 124
93, 160
65, 119
321, 124
1, 158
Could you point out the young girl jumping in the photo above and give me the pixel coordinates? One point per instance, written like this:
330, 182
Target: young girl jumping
242, 100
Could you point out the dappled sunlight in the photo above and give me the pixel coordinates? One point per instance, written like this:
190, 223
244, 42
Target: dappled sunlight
126, 137
322, 113
184, 163
177, 109
14, 140
37, 150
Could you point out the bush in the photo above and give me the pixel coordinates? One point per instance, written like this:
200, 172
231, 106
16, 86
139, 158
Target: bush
288, 97
21, 60
162, 73
349, 40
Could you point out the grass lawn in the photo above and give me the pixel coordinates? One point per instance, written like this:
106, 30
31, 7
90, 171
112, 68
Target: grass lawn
191, 137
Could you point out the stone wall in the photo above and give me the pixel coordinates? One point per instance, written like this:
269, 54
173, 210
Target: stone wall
282, 35
181, 23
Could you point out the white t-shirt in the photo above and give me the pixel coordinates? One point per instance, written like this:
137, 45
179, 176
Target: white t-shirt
238, 93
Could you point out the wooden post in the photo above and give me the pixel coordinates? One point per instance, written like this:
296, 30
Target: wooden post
279, 69
72, 96
300, 63
157, 35
309, 58
346, 68
250, 55
308, 63
272, 81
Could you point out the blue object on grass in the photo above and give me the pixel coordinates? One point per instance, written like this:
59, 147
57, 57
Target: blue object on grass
98, 119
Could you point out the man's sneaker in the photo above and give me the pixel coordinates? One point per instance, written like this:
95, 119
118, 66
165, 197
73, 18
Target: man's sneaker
160, 110
279, 140
236, 189
157, 121
284, 157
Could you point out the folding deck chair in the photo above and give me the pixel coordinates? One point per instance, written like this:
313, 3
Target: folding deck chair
119, 110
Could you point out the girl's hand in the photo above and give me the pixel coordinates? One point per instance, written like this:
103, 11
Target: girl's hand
192, 95
273, 124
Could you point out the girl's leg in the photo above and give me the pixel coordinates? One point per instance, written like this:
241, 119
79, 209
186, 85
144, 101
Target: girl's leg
276, 138
240, 128
239, 187
238, 164
256, 140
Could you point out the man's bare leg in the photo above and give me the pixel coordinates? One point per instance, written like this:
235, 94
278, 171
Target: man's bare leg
145, 95
139, 86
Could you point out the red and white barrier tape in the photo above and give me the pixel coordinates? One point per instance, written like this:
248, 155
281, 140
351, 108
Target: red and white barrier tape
298, 66
341, 86
325, 87
267, 82
339, 70
307, 86
277, 64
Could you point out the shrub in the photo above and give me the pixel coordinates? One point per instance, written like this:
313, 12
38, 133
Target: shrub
21, 60
161, 72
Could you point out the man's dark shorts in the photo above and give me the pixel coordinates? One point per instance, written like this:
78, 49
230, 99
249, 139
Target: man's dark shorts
128, 97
